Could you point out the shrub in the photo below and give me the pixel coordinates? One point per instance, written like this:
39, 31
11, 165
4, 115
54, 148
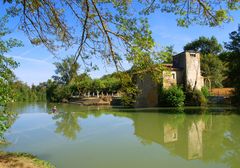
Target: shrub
205, 91
236, 97
129, 95
195, 98
173, 97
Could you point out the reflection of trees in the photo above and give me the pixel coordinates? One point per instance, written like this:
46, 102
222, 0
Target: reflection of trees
217, 126
231, 145
27, 107
194, 136
67, 124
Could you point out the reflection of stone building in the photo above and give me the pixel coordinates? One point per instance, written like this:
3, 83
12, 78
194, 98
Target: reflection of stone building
185, 139
184, 71
170, 133
195, 139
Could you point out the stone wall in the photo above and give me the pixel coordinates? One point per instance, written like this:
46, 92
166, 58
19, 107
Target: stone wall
193, 71
149, 92
169, 79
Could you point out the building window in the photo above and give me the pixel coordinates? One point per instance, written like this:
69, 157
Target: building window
173, 75
192, 55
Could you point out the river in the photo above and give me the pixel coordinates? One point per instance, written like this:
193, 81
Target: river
107, 137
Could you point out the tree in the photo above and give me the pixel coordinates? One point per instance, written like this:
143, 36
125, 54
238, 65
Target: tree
24, 93
212, 67
204, 45
83, 83
166, 54
57, 92
98, 86
233, 60
105, 27
6, 75
67, 70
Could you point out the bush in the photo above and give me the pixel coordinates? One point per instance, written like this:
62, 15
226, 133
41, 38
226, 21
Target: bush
129, 95
236, 97
195, 98
172, 97
205, 91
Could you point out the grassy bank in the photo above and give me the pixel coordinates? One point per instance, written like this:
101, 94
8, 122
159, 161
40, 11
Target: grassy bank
16, 160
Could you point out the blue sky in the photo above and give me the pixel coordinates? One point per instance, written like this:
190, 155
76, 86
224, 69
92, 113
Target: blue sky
36, 61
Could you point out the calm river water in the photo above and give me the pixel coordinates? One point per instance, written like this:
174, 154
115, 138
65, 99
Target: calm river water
106, 137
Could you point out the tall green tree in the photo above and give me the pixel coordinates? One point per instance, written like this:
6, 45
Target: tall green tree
233, 60
83, 83
212, 67
7, 65
204, 45
66, 71
56, 92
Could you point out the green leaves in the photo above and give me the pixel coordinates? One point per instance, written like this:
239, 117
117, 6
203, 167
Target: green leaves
110, 30
212, 68
66, 70
204, 45
172, 97
7, 65
233, 62
203, 12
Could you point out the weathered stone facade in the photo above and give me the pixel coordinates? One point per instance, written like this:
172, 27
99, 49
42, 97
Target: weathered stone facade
149, 92
185, 71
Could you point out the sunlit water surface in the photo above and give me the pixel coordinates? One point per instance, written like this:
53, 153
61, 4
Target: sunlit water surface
106, 137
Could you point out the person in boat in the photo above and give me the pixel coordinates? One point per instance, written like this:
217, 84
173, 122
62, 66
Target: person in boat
54, 109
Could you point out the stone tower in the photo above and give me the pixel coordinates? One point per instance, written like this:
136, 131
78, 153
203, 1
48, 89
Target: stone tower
185, 71
189, 62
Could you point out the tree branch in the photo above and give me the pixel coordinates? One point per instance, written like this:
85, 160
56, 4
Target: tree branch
107, 35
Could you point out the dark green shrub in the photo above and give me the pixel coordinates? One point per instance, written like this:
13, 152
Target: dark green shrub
129, 95
172, 97
195, 98
236, 97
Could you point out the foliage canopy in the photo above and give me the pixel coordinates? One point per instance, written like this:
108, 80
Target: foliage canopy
102, 28
212, 68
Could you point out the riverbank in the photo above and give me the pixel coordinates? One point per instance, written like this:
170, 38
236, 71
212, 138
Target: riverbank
91, 101
22, 160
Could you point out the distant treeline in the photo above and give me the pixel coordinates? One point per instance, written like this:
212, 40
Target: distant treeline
56, 91
24, 93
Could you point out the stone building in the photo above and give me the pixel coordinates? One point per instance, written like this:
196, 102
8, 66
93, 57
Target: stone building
184, 71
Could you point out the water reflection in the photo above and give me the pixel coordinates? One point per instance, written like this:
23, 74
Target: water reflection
28, 107
67, 124
209, 135
202, 136
206, 137
67, 118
